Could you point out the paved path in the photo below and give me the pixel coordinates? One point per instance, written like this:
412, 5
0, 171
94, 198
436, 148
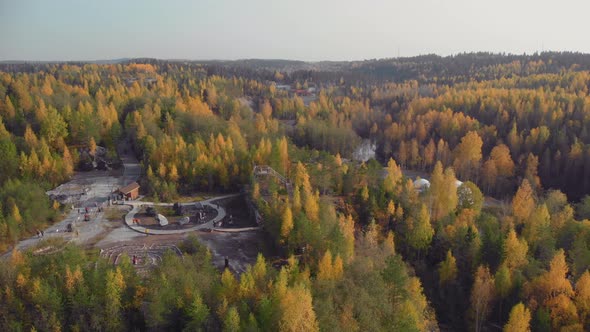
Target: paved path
136, 206
236, 230
131, 166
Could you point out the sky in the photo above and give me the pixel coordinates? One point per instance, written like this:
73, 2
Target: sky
310, 30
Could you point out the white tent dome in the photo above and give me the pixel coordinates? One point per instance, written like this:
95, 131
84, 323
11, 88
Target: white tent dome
163, 221
421, 184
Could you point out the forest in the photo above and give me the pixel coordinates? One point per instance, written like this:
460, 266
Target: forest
499, 240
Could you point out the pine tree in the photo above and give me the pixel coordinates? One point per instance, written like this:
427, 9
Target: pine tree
325, 269
538, 225
16, 216
519, 320
259, 269
8, 111
287, 224
311, 206
394, 175
347, 229
338, 268
523, 202
283, 148
482, 295
503, 281
447, 270
197, 313
229, 285
297, 312
389, 244
421, 231
231, 322
391, 208
173, 173
296, 200
531, 172
437, 183
515, 251
468, 155
113, 294
489, 175
582, 298
31, 138
68, 162
500, 155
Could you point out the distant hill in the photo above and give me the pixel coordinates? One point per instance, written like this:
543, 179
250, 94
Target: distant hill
424, 68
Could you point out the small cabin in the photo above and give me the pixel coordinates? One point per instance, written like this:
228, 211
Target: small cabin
129, 192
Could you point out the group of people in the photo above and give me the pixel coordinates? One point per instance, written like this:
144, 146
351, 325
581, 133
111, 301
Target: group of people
89, 209
200, 216
40, 233
230, 221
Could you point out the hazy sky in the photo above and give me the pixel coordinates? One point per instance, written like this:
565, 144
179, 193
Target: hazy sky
296, 29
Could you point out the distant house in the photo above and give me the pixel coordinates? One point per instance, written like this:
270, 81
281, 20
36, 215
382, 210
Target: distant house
129, 192
302, 92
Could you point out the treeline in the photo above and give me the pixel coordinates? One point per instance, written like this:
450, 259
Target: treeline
513, 129
53, 117
516, 131
75, 290
525, 264
426, 69
494, 133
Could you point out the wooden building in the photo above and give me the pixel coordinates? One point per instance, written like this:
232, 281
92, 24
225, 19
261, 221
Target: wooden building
129, 192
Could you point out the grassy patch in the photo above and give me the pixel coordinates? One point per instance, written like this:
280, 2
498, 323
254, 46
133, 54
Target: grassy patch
114, 213
193, 198
166, 211
196, 197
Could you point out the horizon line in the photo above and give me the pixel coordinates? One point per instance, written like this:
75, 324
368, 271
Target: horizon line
288, 59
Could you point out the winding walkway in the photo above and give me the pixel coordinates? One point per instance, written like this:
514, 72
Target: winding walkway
136, 206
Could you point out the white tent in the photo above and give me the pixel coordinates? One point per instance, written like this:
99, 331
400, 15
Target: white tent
421, 184
163, 221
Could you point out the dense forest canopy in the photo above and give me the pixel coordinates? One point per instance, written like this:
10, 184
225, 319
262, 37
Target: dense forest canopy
500, 238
